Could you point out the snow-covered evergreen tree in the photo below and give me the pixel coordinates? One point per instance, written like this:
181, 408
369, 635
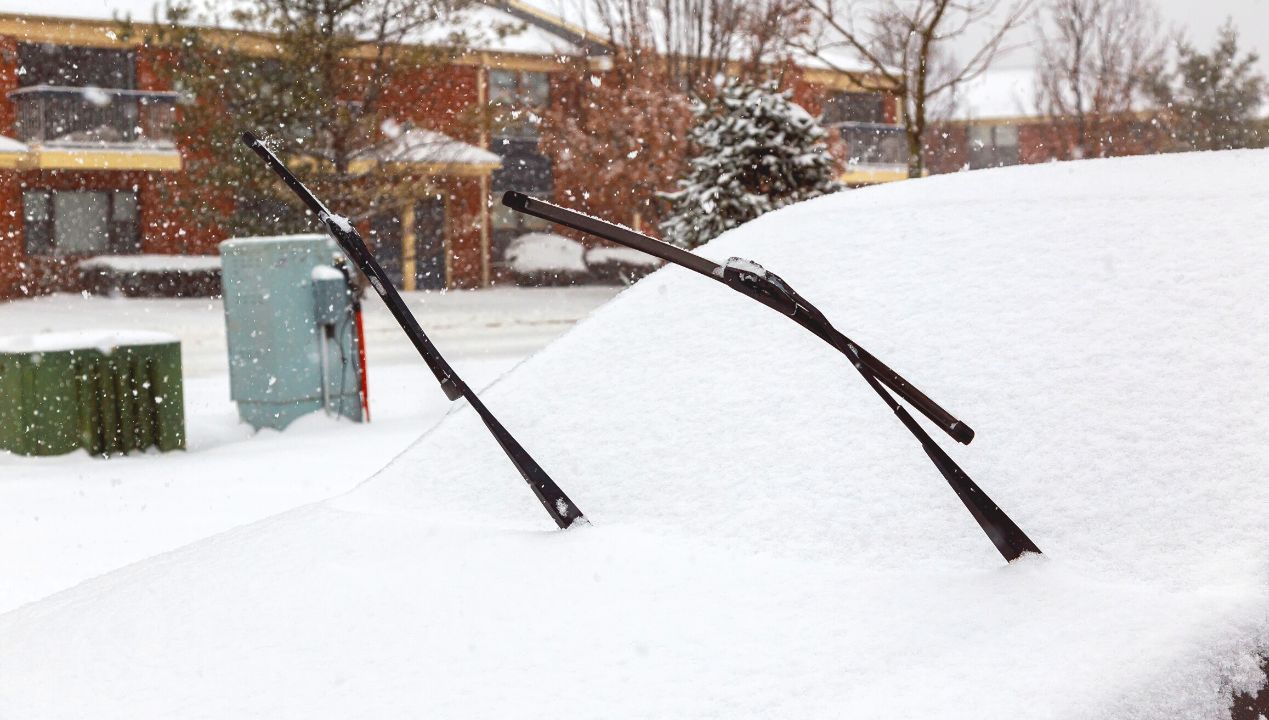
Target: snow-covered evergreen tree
755, 150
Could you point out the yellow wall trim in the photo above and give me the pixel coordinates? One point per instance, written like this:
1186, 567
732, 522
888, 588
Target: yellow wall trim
447, 169
867, 176
62, 31
837, 80
43, 158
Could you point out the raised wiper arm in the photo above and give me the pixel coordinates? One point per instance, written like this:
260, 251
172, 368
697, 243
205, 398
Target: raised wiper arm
557, 504
751, 279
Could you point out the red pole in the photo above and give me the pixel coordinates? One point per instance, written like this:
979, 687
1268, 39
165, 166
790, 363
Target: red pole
361, 361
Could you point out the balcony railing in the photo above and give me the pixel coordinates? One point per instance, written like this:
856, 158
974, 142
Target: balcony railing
874, 144
94, 117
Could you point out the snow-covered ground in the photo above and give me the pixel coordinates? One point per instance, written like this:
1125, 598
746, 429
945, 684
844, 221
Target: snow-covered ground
767, 541
66, 519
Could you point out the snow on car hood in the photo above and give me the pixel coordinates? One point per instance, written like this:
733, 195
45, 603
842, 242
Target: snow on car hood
767, 539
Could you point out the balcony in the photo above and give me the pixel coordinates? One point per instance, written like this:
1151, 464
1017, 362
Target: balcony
875, 152
96, 128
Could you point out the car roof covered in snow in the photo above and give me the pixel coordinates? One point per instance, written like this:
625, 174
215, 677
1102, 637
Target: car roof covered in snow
766, 538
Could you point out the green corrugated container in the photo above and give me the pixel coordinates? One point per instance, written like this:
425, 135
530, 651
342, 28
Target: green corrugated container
109, 393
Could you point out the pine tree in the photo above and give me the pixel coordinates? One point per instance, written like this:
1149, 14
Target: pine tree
1211, 101
755, 151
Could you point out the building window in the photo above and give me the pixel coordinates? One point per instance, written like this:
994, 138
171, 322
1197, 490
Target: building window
518, 99
60, 222
64, 65
992, 145
856, 107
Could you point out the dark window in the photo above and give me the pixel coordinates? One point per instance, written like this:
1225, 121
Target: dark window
872, 144
518, 99
44, 64
855, 107
60, 222
523, 169
992, 145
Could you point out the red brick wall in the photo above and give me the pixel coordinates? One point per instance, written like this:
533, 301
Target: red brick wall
463, 209
8, 83
1042, 141
12, 252
440, 98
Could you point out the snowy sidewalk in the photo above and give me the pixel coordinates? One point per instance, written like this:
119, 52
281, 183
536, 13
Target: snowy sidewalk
65, 519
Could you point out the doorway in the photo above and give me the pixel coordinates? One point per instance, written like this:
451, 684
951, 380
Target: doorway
429, 243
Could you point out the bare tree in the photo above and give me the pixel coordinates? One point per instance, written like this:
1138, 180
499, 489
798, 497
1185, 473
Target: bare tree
696, 41
326, 75
906, 46
1094, 59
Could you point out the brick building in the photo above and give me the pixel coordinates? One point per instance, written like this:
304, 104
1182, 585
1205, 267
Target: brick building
994, 122
87, 141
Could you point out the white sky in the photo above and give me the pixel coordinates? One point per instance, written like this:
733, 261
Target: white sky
1199, 19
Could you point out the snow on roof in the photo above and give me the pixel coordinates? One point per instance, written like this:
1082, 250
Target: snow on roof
9, 145
416, 145
585, 16
767, 540
152, 263
106, 341
997, 95
479, 21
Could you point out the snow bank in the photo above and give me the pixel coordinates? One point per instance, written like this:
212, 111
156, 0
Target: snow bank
416, 145
9, 145
107, 341
623, 255
152, 263
545, 252
767, 540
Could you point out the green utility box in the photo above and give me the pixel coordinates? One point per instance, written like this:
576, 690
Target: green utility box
106, 392
290, 329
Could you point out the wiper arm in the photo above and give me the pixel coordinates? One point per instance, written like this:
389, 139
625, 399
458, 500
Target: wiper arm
557, 504
751, 279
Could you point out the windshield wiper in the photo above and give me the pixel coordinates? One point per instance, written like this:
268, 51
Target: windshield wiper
558, 505
752, 280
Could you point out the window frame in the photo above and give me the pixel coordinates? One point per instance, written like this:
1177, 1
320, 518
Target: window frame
123, 222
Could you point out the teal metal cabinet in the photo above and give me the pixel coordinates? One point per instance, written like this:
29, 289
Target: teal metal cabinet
289, 324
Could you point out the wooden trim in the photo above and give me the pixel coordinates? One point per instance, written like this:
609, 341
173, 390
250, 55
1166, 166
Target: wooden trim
447, 251
63, 31
107, 34
13, 160
515, 61
838, 80
409, 259
866, 176
44, 158
484, 231
446, 169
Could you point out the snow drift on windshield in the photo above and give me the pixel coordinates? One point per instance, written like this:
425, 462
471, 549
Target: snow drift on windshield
767, 539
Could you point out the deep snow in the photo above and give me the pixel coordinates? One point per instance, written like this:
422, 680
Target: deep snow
767, 539
66, 519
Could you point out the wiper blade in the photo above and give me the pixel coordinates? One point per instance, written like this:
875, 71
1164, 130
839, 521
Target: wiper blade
751, 279
558, 505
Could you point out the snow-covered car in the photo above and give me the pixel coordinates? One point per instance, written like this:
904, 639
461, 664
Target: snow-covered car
765, 539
